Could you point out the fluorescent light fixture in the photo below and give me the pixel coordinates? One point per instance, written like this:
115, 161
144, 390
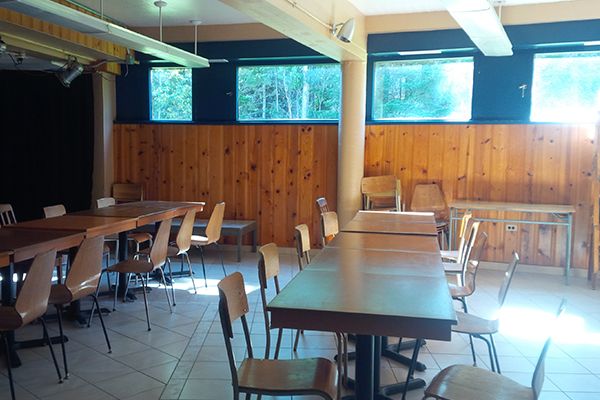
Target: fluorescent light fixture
419, 52
592, 43
76, 20
480, 21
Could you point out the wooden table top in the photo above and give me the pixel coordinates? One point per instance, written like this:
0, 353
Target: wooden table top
386, 242
515, 207
27, 243
5, 258
91, 225
389, 227
392, 216
146, 212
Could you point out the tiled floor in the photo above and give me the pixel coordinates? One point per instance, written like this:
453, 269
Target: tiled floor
183, 357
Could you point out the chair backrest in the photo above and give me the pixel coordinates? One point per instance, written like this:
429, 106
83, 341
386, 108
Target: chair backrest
105, 202
302, 237
233, 305
84, 274
428, 197
213, 228
158, 252
329, 226
128, 192
322, 205
32, 300
464, 251
268, 265
186, 229
537, 382
54, 211
508, 276
472, 265
381, 192
7, 215
464, 222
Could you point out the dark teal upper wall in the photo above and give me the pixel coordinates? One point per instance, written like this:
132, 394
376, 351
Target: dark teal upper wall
496, 94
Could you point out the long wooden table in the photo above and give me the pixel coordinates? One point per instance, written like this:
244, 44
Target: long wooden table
563, 214
370, 291
392, 223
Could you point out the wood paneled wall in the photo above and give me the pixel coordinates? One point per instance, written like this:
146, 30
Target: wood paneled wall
550, 164
268, 173
273, 173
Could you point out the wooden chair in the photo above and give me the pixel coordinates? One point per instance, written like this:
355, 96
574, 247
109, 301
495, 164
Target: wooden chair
457, 268
182, 244
31, 305
82, 281
463, 382
302, 238
322, 205
429, 197
453, 255
154, 261
54, 211
381, 193
315, 376
477, 327
128, 192
7, 215
329, 226
461, 292
268, 268
213, 234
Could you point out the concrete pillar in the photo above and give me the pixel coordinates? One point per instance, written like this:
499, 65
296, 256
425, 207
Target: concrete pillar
104, 115
351, 139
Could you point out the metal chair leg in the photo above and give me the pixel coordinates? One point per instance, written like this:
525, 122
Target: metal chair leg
278, 344
102, 323
490, 353
7, 355
62, 342
221, 255
164, 281
172, 281
191, 271
116, 291
49, 343
296, 340
413, 364
473, 350
145, 302
203, 266
495, 354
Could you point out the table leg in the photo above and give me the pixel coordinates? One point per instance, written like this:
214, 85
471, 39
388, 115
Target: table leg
451, 228
569, 245
254, 240
239, 246
365, 360
389, 351
122, 257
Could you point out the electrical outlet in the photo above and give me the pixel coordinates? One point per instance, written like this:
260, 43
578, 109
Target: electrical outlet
511, 228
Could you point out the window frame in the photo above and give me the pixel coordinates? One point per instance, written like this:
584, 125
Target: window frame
283, 62
175, 121
391, 57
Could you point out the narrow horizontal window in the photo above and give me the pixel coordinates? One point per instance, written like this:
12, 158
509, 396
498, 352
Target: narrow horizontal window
289, 92
431, 89
566, 87
171, 94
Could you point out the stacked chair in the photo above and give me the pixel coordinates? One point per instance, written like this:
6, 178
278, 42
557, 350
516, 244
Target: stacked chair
381, 193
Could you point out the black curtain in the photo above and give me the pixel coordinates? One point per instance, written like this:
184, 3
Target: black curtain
46, 142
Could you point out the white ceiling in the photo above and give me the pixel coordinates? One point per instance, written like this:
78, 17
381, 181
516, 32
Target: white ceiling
213, 12
379, 7
176, 13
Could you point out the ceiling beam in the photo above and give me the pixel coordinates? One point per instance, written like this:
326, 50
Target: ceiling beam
282, 16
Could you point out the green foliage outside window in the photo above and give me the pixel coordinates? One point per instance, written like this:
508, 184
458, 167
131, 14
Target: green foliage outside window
423, 89
171, 94
566, 87
289, 92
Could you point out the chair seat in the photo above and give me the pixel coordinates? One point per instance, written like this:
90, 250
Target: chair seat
283, 377
472, 324
459, 291
199, 240
139, 237
452, 267
10, 319
449, 255
463, 382
132, 266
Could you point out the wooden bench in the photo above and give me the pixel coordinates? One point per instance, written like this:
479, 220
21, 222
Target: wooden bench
237, 228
